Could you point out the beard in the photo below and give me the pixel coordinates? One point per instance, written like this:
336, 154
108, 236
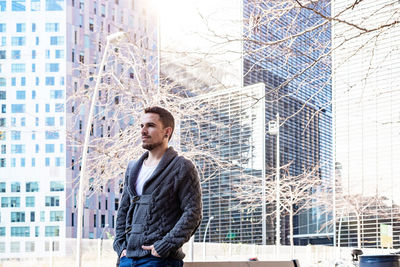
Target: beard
150, 147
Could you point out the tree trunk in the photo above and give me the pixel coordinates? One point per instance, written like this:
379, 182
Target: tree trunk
291, 232
358, 231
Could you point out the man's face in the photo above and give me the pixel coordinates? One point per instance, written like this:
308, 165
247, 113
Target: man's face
153, 132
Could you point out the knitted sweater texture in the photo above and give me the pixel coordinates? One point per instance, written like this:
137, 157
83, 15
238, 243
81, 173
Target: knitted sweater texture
168, 212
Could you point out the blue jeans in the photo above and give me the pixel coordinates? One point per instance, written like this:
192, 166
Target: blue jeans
150, 261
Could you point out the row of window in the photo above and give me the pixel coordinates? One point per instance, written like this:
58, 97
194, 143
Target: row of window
58, 162
49, 80
19, 216
25, 230
21, 27
21, 108
51, 135
14, 202
55, 186
20, 5
15, 246
21, 68
21, 40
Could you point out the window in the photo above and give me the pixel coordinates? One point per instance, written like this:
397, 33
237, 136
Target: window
18, 108
59, 161
56, 216
20, 27
3, 110
52, 135
47, 53
52, 67
30, 245
17, 216
52, 27
54, 5
33, 27
32, 187
17, 149
56, 186
49, 148
2, 187
20, 67
2, 231
33, 162
37, 81
20, 95
52, 201
103, 221
57, 40
15, 187
33, 67
59, 53
15, 135
13, 81
33, 97
18, 41
50, 121
52, 231
20, 231
42, 215
3, 41
14, 245
91, 24
14, 202
16, 54
37, 40
18, 5
3, 56
56, 94
30, 202
50, 81
23, 81
47, 107
87, 41
33, 54
59, 107
22, 162
35, 5
23, 121
3, 5
47, 162
37, 148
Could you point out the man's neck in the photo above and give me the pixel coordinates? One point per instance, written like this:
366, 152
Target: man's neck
155, 155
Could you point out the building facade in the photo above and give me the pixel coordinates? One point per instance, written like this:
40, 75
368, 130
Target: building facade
44, 46
367, 99
296, 86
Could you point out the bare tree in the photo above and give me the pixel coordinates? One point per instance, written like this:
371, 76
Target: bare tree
350, 205
129, 84
296, 192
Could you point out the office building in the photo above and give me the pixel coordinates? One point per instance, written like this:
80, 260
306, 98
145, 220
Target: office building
367, 108
44, 46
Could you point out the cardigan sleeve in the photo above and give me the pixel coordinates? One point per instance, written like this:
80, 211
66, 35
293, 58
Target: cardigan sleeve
120, 237
189, 194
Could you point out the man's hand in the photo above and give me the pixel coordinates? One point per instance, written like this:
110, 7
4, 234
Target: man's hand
123, 253
153, 250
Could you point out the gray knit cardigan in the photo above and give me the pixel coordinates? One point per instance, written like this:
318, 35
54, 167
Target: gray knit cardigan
168, 212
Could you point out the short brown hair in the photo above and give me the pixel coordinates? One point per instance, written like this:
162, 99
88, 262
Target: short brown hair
166, 117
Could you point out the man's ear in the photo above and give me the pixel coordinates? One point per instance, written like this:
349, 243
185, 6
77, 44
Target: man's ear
168, 132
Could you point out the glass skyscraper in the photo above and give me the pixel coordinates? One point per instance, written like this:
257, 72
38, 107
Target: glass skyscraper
367, 108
